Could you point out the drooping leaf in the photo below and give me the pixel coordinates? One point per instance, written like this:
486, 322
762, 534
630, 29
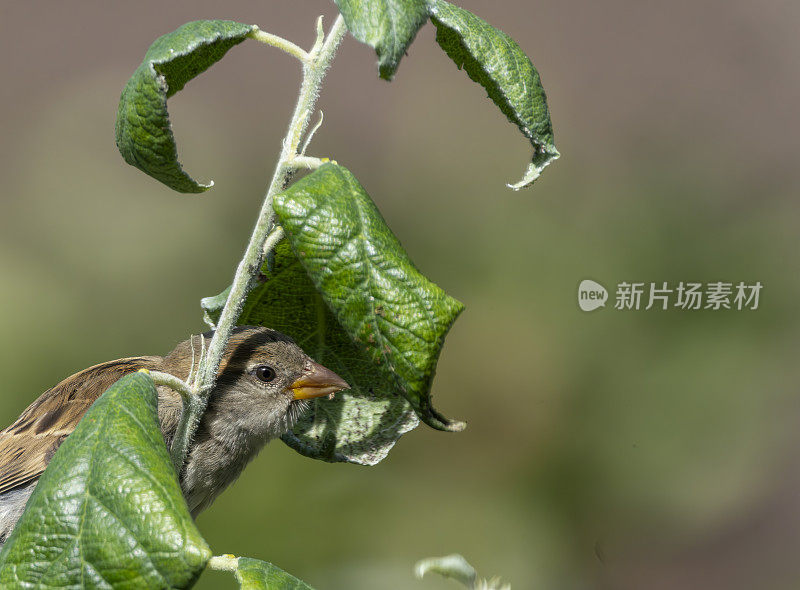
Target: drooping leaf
108, 511
143, 130
388, 26
360, 425
368, 281
254, 574
496, 62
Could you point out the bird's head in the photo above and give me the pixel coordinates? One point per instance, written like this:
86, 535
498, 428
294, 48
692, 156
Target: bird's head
264, 380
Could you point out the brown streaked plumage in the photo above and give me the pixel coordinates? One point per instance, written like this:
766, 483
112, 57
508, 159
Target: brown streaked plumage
27, 446
262, 380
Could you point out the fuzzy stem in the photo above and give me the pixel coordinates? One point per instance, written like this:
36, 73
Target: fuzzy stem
309, 162
173, 383
225, 563
314, 69
273, 239
280, 43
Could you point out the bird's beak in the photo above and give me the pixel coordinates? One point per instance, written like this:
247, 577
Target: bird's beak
317, 381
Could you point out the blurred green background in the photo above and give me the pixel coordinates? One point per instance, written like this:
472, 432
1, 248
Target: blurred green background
650, 449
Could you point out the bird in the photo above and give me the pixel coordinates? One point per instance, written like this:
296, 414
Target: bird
263, 386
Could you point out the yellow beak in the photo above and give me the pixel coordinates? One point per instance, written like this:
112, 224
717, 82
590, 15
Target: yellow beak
317, 381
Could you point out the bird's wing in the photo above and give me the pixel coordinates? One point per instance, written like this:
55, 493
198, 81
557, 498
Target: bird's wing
27, 446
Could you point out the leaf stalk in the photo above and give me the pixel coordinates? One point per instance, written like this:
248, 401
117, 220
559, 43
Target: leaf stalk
225, 563
280, 43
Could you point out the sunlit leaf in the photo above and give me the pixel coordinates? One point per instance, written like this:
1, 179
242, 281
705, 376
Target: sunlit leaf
108, 510
254, 574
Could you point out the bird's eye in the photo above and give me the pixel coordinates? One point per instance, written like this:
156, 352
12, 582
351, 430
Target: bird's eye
265, 373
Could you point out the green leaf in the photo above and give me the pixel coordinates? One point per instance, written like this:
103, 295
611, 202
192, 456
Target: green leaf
496, 62
254, 574
108, 511
358, 426
388, 26
367, 280
143, 130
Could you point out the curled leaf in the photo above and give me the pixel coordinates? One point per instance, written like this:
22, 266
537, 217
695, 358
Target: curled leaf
143, 130
496, 62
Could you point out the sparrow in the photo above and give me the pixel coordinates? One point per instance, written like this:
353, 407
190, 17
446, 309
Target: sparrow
262, 387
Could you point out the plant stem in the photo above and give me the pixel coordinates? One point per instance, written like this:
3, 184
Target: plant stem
314, 68
224, 563
309, 162
172, 382
280, 43
273, 239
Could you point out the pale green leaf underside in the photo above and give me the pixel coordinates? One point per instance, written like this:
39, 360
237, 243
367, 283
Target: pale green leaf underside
496, 62
254, 574
367, 280
452, 566
388, 26
358, 426
108, 511
143, 130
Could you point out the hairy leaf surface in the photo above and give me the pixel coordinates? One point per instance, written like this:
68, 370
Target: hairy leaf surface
388, 26
108, 510
143, 130
369, 283
496, 62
